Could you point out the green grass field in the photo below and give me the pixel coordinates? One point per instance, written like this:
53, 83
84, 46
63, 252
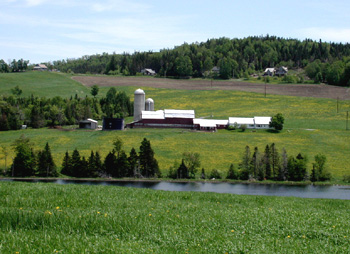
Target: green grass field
312, 126
51, 218
41, 84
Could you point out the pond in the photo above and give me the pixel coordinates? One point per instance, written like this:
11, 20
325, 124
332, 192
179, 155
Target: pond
303, 191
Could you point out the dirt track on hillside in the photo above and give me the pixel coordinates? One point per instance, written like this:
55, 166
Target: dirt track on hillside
318, 91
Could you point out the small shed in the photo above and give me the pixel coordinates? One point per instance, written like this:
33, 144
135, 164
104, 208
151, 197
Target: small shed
88, 124
113, 124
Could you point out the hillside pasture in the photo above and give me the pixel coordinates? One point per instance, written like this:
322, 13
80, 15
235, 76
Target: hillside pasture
312, 125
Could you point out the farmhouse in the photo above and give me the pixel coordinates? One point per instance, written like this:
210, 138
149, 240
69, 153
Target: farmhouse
269, 72
148, 72
40, 67
281, 71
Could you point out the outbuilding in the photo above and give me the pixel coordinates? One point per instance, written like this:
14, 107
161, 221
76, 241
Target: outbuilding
113, 124
88, 124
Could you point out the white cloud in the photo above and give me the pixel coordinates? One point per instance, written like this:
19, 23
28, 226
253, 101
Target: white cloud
34, 2
327, 34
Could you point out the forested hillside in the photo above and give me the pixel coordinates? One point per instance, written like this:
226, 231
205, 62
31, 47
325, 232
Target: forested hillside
235, 57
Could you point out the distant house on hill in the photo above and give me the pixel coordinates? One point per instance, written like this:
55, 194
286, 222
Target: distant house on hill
215, 70
40, 67
148, 72
269, 72
281, 71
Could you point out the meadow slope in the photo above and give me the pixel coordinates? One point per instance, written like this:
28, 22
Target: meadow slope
312, 126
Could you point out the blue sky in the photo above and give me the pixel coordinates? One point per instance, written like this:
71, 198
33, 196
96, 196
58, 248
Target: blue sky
47, 30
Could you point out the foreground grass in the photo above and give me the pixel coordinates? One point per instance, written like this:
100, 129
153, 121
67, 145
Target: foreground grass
49, 218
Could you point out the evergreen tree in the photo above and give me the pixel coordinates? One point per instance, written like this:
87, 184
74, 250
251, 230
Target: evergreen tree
148, 164
182, 171
255, 165
67, 165
76, 164
245, 164
122, 164
203, 176
46, 165
267, 159
110, 164
98, 164
133, 163
24, 162
275, 161
232, 173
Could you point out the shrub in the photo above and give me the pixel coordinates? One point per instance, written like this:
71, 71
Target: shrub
215, 174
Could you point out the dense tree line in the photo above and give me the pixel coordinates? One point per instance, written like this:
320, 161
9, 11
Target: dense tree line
57, 111
116, 164
335, 73
273, 165
255, 165
14, 66
234, 57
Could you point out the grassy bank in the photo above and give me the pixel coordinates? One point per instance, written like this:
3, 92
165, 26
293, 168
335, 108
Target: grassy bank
49, 218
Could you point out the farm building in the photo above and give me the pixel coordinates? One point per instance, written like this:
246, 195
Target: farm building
168, 118
113, 124
88, 124
146, 117
269, 72
257, 122
40, 67
281, 71
148, 72
209, 124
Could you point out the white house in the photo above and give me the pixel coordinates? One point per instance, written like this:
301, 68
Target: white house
269, 72
40, 67
148, 72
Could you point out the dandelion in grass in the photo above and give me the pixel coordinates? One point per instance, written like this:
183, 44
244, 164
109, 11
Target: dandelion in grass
57, 207
232, 231
149, 215
288, 236
105, 214
98, 212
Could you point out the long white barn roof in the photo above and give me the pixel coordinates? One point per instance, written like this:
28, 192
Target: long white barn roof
209, 122
176, 113
262, 120
241, 120
159, 114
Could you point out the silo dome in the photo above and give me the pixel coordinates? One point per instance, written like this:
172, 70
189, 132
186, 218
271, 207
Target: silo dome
149, 104
139, 91
139, 104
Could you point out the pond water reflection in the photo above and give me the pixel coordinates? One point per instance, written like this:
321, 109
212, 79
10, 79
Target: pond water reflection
303, 191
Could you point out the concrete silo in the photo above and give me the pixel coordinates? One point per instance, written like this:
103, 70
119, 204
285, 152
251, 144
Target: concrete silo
149, 105
139, 104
